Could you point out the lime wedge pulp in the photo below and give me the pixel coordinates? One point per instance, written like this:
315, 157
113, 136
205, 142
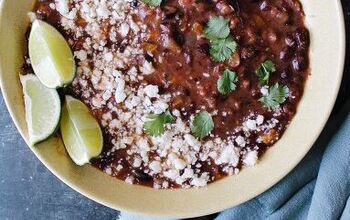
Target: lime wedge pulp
50, 55
81, 133
43, 108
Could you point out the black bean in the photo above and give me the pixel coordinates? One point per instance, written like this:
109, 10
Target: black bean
284, 74
172, 12
188, 58
235, 5
302, 38
297, 78
264, 6
237, 105
178, 35
169, 12
187, 92
299, 63
134, 3
290, 41
140, 175
148, 58
286, 53
247, 52
255, 92
121, 46
288, 109
245, 84
204, 48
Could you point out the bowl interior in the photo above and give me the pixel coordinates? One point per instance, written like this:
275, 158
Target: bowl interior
326, 25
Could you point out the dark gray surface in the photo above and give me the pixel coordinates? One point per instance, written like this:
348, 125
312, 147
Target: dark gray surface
29, 191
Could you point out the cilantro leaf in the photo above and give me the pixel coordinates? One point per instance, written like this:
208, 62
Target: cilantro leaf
202, 124
152, 2
277, 95
222, 46
222, 49
156, 124
217, 27
226, 83
264, 71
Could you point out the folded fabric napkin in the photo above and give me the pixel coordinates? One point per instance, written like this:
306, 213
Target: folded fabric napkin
318, 188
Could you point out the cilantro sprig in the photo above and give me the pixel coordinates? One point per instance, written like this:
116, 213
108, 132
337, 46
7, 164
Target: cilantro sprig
222, 46
222, 49
277, 95
217, 27
264, 71
202, 125
156, 124
226, 83
153, 3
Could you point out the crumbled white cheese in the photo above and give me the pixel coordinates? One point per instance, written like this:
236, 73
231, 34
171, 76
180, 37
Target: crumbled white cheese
147, 68
250, 124
108, 170
259, 120
119, 91
250, 158
155, 166
264, 90
130, 179
151, 91
137, 162
108, 57
199, 182
171, 174
240, 141
124, 29
62, 6
179, 164
229, 155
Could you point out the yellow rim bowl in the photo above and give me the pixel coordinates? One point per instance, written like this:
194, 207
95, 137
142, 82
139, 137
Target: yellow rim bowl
326, 24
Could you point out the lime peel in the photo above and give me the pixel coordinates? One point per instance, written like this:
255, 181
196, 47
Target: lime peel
43, 108
81, 133
50, 55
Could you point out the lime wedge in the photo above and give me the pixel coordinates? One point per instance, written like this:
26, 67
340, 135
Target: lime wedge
81, 133
51, 57
43, 108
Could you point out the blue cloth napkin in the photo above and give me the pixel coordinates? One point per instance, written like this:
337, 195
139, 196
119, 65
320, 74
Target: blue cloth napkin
318, 188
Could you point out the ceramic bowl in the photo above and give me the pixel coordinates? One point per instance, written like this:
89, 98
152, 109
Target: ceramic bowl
325, 22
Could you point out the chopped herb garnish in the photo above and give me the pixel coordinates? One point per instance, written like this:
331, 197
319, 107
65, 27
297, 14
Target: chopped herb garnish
217, 28
277, 95
226, 83
222, 49
152, 2
202, 125
222, 46
156, 124
264, 71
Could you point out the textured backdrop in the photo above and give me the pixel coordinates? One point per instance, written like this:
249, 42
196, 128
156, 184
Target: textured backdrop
29, 191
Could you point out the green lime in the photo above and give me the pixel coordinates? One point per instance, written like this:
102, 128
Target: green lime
43, 108
81, 133
50, 55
